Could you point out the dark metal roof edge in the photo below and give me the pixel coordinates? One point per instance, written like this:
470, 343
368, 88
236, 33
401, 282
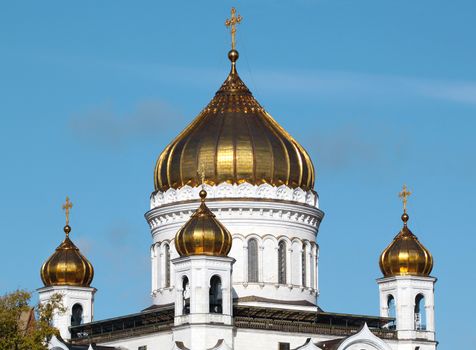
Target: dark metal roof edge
141, 313
356, 316
323, 313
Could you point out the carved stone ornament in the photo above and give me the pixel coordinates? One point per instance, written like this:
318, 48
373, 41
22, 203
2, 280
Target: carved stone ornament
227, 190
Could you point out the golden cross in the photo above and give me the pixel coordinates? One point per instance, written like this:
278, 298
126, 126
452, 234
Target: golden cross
67, 207
232, 22
404, 196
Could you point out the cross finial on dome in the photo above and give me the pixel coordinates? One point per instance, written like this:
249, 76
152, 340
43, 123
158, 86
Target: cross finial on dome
67, 207
231, 23
405, 255
67, 266
201, 173
404, 196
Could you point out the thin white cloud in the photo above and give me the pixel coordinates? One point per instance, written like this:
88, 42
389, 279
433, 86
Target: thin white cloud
324, 83
464, 92
358, 85
103, 125
350, 144
84, 244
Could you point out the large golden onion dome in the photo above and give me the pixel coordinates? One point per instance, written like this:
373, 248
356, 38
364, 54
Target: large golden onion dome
203, 234
236, 141
67, 266
406, 255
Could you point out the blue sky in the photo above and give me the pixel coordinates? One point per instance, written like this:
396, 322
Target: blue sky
379, 92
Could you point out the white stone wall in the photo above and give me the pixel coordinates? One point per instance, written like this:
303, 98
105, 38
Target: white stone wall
404, 290
266, 340
83, 296
156, 341
295, 288
199, 270
207, 336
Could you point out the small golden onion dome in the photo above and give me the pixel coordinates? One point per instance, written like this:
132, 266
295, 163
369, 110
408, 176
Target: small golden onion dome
406, 255
203, 234
236, 141
67, 266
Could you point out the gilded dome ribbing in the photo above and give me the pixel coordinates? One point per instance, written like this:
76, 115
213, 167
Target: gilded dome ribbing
203, 234
67, 266
236, 141
406, 255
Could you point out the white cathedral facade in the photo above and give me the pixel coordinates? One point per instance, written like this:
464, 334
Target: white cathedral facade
234, 256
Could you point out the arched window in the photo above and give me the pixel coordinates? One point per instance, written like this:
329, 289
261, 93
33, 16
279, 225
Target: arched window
303, 266
391, 306
391, 310
216, 298
167, 265
252, 260
186, 295
76, 315
420, 315
282, 262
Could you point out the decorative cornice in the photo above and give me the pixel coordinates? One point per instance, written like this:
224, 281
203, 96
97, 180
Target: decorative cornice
227, 190
264, 210
69, 289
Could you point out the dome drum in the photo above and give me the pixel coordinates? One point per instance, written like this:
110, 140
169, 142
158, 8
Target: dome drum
267, 220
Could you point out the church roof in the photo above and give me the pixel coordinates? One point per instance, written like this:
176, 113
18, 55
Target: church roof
161, 318
254, 298
291, 320
26, 321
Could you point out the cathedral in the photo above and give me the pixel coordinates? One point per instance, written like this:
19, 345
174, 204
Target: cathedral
234, 255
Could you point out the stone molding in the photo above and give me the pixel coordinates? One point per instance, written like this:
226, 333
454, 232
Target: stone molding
68, 291
227, 190
223, 209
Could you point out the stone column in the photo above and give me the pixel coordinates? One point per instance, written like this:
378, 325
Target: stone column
309, 263
288, 264
260, 263
157, 267
316, 270
179, 301
153, 269
245, 262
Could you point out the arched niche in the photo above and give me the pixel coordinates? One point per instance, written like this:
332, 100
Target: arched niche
215, 295
76, 314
